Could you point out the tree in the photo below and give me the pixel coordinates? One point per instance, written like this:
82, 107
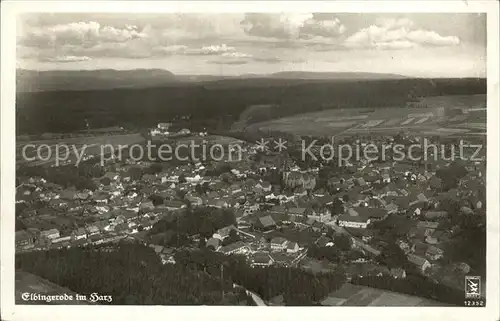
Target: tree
85, 184
135, 173
156, 199
393, 256
180, 194
232, 237
337, 207
342, 242
105, 181
155, 168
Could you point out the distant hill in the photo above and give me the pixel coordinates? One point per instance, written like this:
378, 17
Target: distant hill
31, 80
334, 75
102, 79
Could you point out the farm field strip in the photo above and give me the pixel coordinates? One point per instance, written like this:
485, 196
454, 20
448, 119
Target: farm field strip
423, 120
373, 123
355, 295
409, 120
92, 145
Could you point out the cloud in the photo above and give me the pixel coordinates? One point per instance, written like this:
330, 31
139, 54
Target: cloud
232, 58
397, 34
236, 55
269, 60
169, 50
322, 28
228, 62
210, 50
291, 26
65, 59
78, 33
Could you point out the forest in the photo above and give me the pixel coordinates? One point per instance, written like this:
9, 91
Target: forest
132, 274
298, 287
217, 107
175, 230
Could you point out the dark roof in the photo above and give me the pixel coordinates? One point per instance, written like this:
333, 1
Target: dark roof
213, 242
261, 257
267, 221
350, 218
233, 246
278, 240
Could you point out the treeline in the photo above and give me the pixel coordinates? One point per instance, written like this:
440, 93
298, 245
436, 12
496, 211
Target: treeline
132, 274
298, 287
217, 108
415, 285
204, 221
67, 176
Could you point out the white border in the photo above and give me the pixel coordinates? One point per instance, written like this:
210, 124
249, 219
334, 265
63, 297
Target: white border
8, 39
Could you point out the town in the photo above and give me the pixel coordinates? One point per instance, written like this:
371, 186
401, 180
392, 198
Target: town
368, 218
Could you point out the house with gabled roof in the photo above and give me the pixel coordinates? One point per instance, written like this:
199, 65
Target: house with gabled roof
79, 233
434, 252
265, 223
174, 204
214, 243
353, 219
292, 247
238, 247
278, 243
421, 262
262, 259
224, 232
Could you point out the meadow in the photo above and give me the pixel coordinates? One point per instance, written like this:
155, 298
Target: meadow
436, 115
93, 146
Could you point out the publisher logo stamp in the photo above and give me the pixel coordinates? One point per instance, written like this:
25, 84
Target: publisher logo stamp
472, 287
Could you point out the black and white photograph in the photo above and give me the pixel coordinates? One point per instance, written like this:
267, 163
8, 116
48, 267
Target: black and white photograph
248, 158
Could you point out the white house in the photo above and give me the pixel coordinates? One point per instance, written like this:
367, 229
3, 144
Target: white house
353, 219
278, 243
293, 247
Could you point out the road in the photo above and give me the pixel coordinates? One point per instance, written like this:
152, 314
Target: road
257, 299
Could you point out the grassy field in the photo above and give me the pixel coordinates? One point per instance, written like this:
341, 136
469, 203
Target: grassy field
210, 139
355, 295
456, 101
436, 118
90, 146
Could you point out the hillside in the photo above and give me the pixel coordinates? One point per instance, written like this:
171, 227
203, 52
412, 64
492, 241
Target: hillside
31, 80
102, 79
217, 105
334, 75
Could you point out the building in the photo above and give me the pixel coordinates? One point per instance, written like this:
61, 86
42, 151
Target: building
421, 262
50, 234
262, 259
353, 219
79, 234
24, 240
398, 273
174, 205
434, 253
278, 243
265, 223
222, 233
297, 179
239, 247
213, 243
292, 247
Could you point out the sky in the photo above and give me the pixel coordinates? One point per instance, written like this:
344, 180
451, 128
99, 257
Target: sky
417, 44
